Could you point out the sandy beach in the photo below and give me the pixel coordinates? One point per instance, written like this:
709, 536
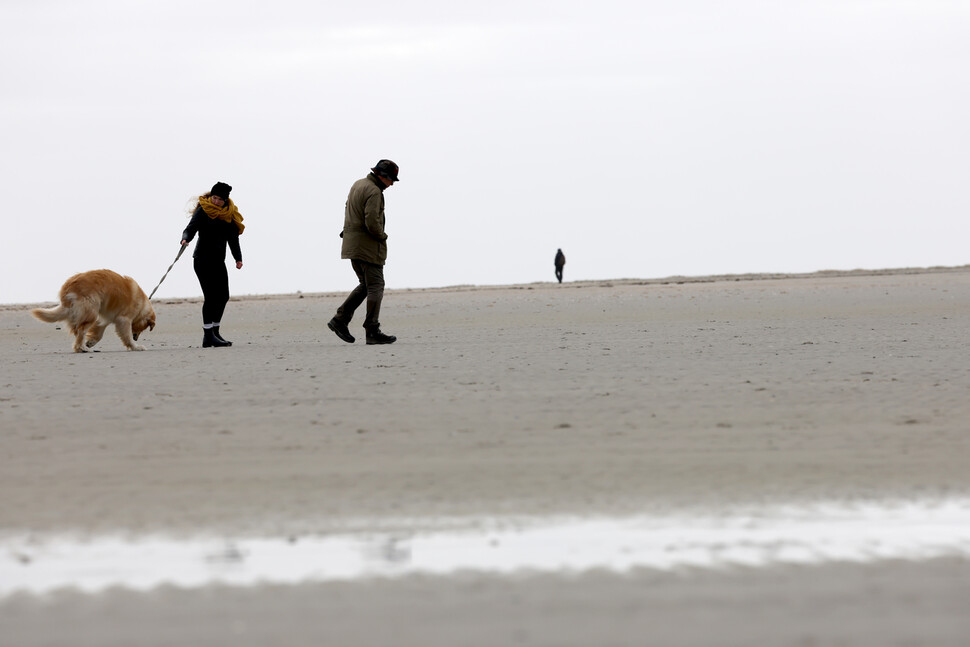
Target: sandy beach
681, 398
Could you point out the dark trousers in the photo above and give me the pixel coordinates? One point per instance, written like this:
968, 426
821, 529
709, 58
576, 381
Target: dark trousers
559, 273
371, 288
214, 280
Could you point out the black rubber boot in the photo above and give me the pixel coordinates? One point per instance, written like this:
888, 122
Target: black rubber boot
209, 340
216, 335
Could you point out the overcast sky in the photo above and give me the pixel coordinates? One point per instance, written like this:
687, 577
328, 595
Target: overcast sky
645, 138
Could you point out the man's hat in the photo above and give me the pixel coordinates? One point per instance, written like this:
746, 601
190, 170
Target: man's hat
386, 168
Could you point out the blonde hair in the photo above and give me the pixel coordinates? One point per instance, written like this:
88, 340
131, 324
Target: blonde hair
195, 202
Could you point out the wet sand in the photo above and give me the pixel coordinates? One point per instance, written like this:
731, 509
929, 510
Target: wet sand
609, 399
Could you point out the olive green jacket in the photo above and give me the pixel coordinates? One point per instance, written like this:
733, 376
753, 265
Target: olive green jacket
363, 235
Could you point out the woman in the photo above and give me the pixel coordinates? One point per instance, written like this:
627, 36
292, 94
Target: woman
218, 223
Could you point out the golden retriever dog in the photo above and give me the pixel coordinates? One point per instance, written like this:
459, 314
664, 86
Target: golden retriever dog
92, 300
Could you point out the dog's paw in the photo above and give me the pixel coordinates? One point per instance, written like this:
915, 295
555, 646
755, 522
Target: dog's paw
137, 347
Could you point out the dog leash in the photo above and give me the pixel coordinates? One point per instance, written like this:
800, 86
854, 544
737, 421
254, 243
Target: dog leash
181, 249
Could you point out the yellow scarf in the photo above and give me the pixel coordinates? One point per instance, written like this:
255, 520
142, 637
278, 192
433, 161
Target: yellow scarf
229, 212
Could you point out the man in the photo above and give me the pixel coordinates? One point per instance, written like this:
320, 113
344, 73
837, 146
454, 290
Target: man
365, 244
560, 263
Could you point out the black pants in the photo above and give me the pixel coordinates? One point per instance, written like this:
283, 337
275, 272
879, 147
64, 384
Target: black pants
371, 288
214, 280
559, 273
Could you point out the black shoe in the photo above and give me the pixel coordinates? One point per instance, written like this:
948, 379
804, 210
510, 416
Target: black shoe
377, 337
340, 329
216, 335
210, 341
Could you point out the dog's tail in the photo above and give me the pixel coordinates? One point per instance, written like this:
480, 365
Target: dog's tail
50, 315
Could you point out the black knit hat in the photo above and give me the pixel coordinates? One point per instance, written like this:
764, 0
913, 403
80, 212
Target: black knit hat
221, 189
386, 168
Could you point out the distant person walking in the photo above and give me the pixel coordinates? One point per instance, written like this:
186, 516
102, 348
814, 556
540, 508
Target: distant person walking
365, 244
218, 223
560, 263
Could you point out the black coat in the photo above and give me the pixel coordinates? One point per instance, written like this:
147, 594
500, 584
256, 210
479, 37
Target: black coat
214, 235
